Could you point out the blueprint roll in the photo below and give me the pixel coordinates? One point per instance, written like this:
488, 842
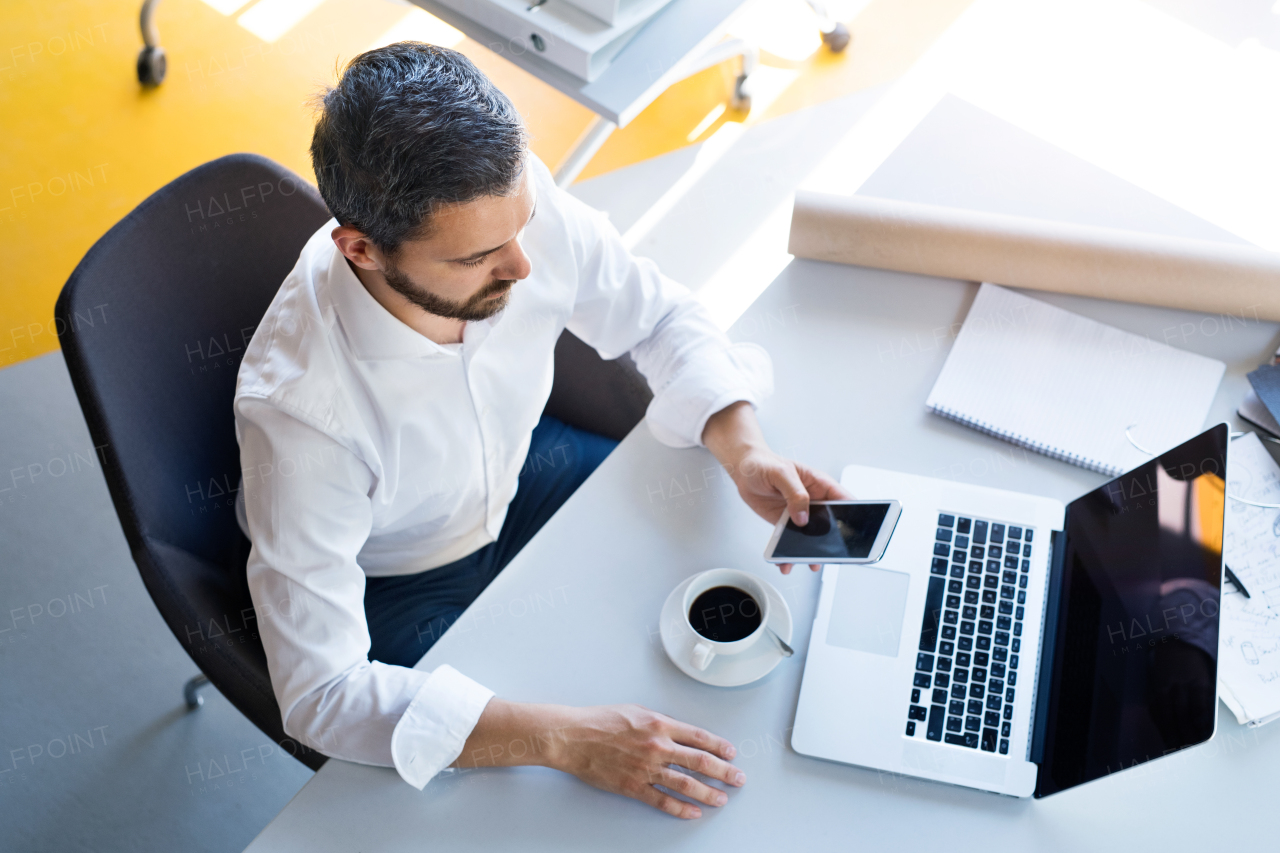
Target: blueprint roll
1105, 263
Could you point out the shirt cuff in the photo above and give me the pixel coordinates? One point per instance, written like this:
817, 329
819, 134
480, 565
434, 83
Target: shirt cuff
679, 412
433, 729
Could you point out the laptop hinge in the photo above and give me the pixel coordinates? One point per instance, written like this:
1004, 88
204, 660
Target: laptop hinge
1048, 641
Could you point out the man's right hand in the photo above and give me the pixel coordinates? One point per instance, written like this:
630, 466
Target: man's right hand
623, 749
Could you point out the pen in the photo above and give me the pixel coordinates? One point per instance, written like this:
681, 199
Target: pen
1231, 576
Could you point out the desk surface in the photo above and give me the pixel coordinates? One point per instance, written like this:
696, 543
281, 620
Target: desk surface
574, 618
641, 71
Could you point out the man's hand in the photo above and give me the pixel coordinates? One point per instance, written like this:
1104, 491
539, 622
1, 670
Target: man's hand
627, 749
622, 749
770, 484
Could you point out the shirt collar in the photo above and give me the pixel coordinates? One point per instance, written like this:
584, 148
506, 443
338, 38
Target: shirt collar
374, 332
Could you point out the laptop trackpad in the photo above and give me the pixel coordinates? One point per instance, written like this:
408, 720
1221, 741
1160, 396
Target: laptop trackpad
867, 613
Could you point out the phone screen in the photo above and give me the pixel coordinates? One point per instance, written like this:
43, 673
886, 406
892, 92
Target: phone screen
834, 531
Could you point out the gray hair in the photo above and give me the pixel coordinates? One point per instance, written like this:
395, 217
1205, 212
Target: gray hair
411, 127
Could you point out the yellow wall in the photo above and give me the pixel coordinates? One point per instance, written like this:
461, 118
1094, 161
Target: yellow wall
83, 143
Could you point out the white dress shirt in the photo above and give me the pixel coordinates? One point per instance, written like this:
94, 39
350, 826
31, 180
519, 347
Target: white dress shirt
369, 450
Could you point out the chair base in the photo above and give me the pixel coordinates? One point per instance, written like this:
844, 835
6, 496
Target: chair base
191, 691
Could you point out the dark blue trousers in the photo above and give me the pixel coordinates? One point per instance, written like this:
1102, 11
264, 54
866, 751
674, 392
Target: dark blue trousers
408, 613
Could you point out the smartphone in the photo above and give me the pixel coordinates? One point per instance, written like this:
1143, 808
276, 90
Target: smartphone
837, 532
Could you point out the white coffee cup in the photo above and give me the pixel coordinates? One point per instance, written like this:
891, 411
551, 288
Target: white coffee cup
705, 650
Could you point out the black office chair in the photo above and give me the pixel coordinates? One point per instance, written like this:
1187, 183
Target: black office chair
153, 324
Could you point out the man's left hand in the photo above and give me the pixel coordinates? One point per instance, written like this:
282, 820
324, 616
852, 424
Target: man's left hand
772, 485
769, 483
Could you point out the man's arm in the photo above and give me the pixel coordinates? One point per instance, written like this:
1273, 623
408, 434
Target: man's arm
704, 385
622, 749
309, 511
624, 304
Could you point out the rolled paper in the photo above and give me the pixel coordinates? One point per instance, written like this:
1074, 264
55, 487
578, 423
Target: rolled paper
1106, 263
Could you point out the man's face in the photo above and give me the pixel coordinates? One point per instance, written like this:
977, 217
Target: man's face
471, 259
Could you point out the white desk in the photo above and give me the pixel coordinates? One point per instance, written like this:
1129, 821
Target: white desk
573, 619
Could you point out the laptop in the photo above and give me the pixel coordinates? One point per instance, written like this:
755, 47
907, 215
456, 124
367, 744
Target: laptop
1010, 643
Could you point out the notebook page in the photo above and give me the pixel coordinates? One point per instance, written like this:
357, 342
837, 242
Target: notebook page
1068, 386
1249, 649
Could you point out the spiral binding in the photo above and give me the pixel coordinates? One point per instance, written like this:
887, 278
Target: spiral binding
1023, 441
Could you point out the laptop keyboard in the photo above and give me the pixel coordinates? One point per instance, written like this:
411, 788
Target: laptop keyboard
967, 665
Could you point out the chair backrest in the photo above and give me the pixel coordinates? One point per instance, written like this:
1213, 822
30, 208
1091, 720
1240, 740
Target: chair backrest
604, 397
153, 324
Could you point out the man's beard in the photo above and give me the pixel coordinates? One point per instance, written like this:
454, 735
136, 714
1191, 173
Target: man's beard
477, 307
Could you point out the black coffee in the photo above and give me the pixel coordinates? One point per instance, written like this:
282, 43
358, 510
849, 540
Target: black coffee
724, 614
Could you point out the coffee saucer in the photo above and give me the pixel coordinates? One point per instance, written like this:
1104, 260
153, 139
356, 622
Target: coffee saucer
678, 639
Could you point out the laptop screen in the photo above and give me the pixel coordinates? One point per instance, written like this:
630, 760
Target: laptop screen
1133, 638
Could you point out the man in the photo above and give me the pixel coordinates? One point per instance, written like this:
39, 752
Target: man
391, 396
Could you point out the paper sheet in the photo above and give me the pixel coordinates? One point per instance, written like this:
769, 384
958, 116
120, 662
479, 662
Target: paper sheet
1195, 275
1249, 651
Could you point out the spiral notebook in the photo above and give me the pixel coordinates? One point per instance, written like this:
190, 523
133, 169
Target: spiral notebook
1070, 387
